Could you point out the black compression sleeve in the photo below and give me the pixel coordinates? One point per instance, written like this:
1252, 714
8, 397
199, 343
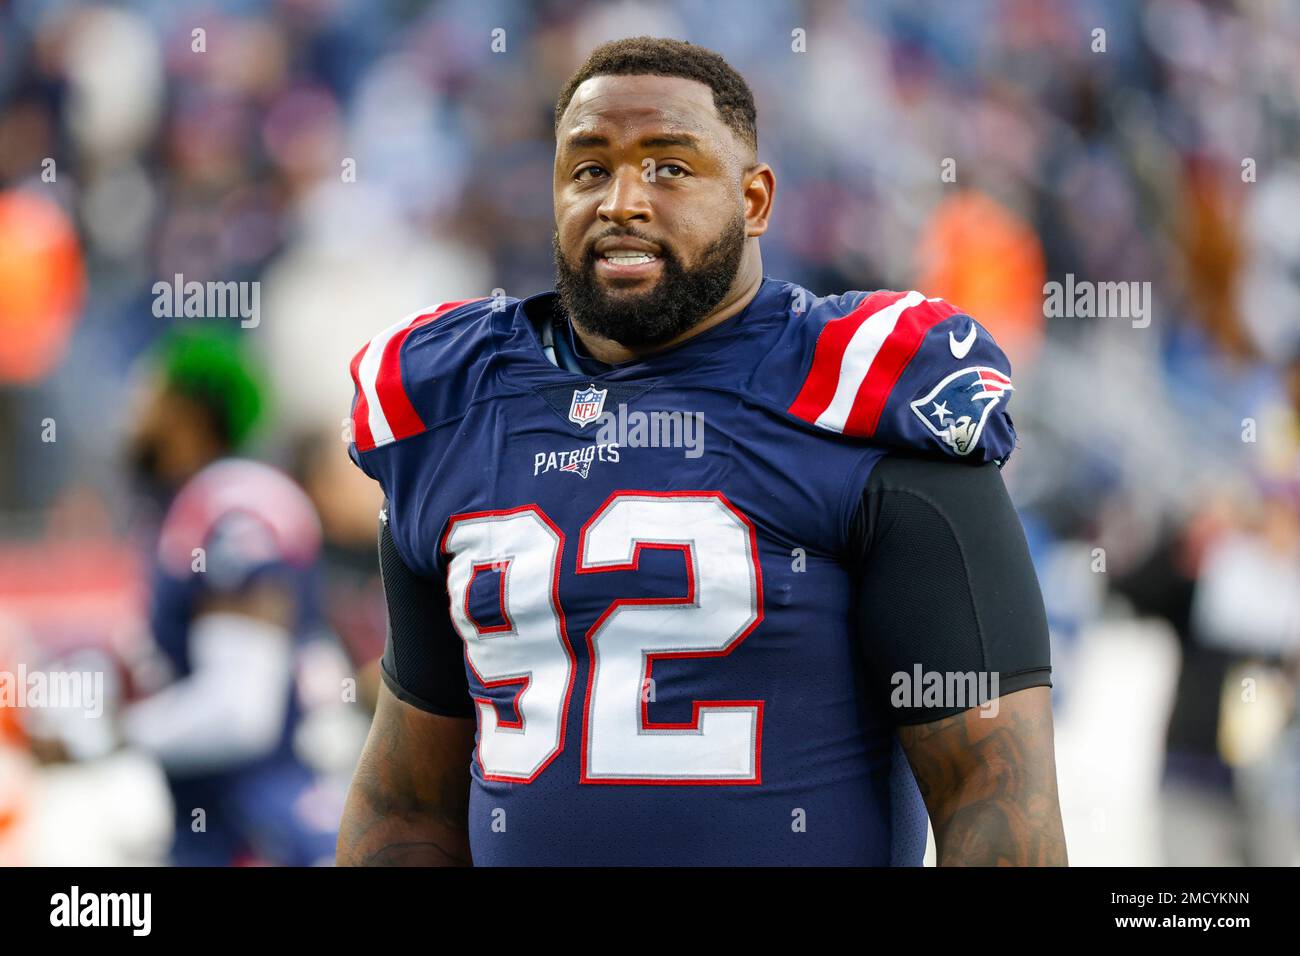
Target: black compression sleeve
946, 590
423, 663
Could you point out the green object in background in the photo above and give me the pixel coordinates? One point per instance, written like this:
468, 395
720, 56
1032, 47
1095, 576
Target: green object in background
211, 366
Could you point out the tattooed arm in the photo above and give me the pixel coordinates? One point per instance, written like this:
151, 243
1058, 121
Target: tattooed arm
989, 783
946, 585
409, 800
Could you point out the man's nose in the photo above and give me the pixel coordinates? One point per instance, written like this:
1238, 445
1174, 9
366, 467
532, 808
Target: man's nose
627, 198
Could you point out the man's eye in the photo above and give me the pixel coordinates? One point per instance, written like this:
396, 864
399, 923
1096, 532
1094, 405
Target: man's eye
586, 169
671, 171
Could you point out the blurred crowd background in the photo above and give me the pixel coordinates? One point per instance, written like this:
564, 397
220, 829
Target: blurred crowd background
361, 160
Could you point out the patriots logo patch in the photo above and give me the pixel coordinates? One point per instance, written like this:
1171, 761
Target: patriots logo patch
956, 409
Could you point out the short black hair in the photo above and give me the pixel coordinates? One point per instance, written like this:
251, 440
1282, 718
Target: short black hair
660, 56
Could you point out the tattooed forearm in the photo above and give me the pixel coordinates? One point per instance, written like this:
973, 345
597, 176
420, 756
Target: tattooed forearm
409, 800
989, 783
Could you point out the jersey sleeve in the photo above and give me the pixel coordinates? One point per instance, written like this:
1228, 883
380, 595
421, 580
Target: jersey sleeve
950, 615
393, 399
423, 659
413, 376
909, 372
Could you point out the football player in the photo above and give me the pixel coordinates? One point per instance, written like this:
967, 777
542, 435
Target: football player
232, 597
676, 553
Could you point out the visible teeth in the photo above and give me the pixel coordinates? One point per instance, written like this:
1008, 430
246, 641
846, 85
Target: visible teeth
628, 258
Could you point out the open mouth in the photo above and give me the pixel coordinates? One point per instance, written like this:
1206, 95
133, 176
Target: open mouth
627, 264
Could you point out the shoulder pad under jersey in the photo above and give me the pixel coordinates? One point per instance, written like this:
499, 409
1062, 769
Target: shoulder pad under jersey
418, 371
903, 370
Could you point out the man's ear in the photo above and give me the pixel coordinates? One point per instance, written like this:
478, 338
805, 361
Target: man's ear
758, 187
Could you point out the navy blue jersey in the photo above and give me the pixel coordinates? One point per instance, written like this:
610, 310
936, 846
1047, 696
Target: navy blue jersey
235, 523
650, 569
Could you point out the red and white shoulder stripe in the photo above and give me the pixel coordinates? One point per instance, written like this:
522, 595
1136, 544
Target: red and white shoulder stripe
383, 412
860, 357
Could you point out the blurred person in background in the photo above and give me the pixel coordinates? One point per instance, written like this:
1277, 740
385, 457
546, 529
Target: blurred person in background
1228, 583
1230, 790
233, 595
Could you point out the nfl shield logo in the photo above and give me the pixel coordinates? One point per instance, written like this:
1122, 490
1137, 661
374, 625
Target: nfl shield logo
587, 405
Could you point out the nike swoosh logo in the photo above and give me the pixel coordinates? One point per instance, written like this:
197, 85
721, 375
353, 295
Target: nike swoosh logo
959, 349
